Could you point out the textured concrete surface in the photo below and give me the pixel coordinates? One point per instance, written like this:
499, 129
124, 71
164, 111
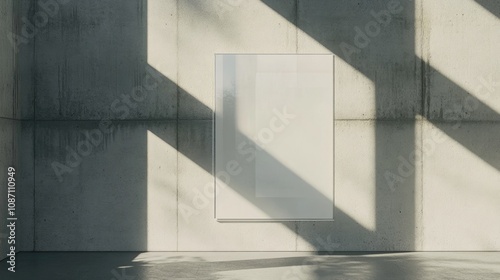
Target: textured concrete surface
25, 63
7, 60
222, 26
261, 265
461, 187
370, 212
460, 170
16, 60
197, 228
117, 191
462, 41
377, 73
154, 61
8, 145
25, 177
16, 139
92, 63
16, 150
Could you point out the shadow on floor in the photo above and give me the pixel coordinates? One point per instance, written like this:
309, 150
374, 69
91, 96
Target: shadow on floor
255, 265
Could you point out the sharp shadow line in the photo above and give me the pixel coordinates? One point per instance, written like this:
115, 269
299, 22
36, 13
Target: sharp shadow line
493, 6
336, 34
246, 190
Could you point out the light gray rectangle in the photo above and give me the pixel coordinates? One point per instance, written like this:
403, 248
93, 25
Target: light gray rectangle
274, 137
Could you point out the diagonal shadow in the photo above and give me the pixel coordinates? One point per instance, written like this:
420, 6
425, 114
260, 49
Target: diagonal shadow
360, 265
459, 107
130, 49
392, 64
247, 190
398, 75
332, 39
492, 6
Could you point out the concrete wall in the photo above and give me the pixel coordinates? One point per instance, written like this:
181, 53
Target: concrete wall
106, 127
123, 123
461, 175
16, 135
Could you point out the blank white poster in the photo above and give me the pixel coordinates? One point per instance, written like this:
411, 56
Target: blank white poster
274, 137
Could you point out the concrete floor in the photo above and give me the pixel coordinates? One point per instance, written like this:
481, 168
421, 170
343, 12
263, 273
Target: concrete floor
244, 265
